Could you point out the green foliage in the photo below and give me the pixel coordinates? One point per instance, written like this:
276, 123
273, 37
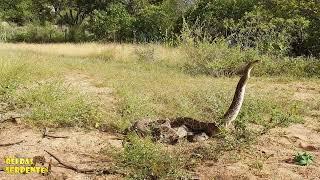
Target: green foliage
305, 42
217, 59
303, 159
143, 159
112, 24
12, 75
152, 24
31, 33
40, 34
17, 11
277, 27
212, 13
68, 12
265, 32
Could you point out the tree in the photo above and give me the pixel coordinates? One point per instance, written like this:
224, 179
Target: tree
211, 14
111, 24
307, 43
17, 11
70, 12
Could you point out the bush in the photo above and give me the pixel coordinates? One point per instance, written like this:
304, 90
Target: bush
306, 42
5, 31
32, 33
48, 33
269, 34
211, 14
112, 24
217, 59
153, 24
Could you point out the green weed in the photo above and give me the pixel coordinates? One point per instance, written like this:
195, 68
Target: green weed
303, 159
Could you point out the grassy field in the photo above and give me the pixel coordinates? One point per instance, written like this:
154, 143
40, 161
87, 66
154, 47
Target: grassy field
152, 81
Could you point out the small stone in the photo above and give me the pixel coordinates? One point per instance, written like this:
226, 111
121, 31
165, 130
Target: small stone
200, 137
116, 143
308, 147
17, 120
182, 131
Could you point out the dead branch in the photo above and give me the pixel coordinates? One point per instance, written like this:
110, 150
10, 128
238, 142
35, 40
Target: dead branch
84, 171
11, 144
45, 134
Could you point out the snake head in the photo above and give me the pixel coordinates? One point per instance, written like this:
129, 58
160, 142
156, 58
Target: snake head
253, 63
250, 65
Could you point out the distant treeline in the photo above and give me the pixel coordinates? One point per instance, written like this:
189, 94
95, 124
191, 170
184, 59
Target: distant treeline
290, 27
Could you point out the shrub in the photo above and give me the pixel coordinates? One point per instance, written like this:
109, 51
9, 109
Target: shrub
32, 33
152, 24
112, 24
217, 59
271, 35
212, 13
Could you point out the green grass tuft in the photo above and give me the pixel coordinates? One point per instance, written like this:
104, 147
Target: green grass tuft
143, 159
54, 104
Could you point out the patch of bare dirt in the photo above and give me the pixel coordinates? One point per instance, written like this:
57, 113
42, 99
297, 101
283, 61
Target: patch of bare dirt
272, 156
91, 86
80, 149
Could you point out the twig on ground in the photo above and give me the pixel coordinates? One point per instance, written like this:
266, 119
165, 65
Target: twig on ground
45, 134
11, 117
3, 120
11, 144
84, 171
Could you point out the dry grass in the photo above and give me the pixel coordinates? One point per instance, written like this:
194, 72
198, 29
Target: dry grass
146, 81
